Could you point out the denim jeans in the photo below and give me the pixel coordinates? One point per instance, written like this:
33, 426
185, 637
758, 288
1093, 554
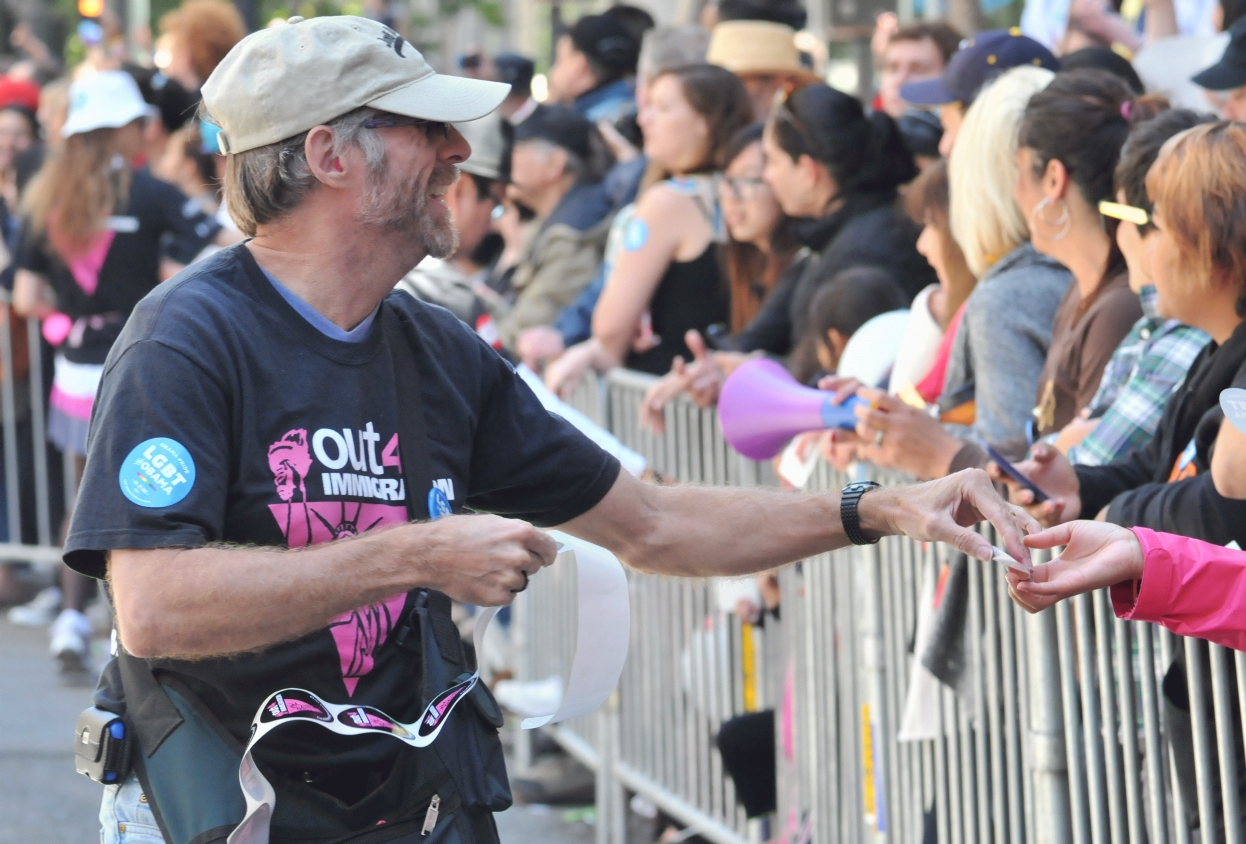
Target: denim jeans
125, 816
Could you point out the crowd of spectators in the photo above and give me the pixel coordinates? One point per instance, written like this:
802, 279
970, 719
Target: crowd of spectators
1054, 240
1063, 241
109, 184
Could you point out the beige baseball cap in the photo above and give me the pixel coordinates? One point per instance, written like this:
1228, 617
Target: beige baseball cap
277, 83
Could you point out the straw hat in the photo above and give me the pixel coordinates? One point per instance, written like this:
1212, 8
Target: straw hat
757, 47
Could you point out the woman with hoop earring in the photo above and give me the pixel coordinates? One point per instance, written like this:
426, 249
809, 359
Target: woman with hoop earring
1071, 137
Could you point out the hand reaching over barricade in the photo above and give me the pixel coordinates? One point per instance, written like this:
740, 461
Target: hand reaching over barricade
1097, 555
1192, 587
1051, 472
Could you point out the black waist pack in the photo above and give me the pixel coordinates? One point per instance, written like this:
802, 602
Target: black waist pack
187, 762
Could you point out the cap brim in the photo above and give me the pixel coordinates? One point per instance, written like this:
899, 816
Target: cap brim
929, 92
446, 99
1220, 77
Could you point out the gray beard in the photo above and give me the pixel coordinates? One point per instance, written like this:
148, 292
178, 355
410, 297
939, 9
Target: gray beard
404, 209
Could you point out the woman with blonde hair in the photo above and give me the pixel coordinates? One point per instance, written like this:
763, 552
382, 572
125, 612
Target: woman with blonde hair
91, 249
1000, 345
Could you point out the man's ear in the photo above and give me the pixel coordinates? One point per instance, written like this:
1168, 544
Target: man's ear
326, 165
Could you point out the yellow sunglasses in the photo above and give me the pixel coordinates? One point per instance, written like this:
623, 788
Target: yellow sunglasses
1128, 213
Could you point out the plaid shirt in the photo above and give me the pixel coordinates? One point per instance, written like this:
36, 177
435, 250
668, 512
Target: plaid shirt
1146, 368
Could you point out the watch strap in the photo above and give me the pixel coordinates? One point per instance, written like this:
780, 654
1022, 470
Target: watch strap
848, 516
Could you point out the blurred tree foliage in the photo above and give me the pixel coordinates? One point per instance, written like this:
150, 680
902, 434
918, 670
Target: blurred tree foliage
491, 11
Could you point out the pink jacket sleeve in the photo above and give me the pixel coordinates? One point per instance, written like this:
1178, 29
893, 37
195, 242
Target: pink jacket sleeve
1191, 587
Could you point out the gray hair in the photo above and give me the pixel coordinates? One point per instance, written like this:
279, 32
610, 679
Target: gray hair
668, 47
266, 183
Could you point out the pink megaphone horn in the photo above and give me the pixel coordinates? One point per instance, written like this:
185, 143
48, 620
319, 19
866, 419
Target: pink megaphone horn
762, 407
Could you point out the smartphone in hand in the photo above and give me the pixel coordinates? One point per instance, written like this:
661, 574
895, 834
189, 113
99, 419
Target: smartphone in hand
1012, 472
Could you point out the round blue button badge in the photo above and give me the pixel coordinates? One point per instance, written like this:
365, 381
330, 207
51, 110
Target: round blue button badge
438, 504
158, 473
1233, 403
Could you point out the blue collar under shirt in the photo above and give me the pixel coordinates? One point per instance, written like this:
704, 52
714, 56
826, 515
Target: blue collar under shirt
318, 320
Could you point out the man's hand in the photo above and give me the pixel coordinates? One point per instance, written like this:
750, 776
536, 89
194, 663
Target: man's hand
1073, 433
705, 374
1097, 555
897, 436
491, 557
945, 511
657, 397
537, 345
189, 603
564, 374
702, 380
1051, 472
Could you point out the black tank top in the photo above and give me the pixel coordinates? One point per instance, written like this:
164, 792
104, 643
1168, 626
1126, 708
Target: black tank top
692, 294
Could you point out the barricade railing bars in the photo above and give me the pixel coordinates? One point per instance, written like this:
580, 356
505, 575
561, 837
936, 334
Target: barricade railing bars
36, 484
1066, 726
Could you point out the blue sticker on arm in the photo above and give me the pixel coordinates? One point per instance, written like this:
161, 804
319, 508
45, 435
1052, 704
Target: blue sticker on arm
636, 235
158, 473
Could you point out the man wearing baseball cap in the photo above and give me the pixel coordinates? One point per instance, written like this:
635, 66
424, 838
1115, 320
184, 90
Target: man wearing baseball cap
1227, 77
557, 168
281, 458
980, 59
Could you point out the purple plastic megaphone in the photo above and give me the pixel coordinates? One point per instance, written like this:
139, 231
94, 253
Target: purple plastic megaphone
762, 407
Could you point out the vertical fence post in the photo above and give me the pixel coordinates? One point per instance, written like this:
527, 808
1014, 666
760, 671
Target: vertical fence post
872, 712
520, 619
611, 821
1048, 766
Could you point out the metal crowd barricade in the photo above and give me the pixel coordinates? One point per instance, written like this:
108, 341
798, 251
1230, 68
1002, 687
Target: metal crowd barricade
37, 486
1066, 726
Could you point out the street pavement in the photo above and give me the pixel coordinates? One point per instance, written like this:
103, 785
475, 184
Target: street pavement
42, 799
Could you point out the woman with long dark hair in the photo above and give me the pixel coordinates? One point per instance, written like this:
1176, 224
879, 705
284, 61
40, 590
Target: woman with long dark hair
1071, 139
839, 171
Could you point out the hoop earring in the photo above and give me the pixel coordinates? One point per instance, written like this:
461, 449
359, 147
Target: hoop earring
1064, 223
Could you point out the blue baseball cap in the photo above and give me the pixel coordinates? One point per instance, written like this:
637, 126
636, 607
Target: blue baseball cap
980, 59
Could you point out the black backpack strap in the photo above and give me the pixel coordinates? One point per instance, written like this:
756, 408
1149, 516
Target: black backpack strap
403, 345
469, 746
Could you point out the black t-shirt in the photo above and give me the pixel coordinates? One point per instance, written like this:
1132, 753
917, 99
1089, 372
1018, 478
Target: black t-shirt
158, 219
224, 416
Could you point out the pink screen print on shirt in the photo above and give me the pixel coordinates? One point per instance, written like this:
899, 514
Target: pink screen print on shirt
360, 632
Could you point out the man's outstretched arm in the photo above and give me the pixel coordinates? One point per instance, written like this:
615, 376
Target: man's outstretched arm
202, 602
699, 532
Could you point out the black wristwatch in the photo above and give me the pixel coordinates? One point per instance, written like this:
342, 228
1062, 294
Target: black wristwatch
848, 511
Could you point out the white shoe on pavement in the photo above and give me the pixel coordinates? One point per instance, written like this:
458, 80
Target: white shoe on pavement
39, 611
71, 639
